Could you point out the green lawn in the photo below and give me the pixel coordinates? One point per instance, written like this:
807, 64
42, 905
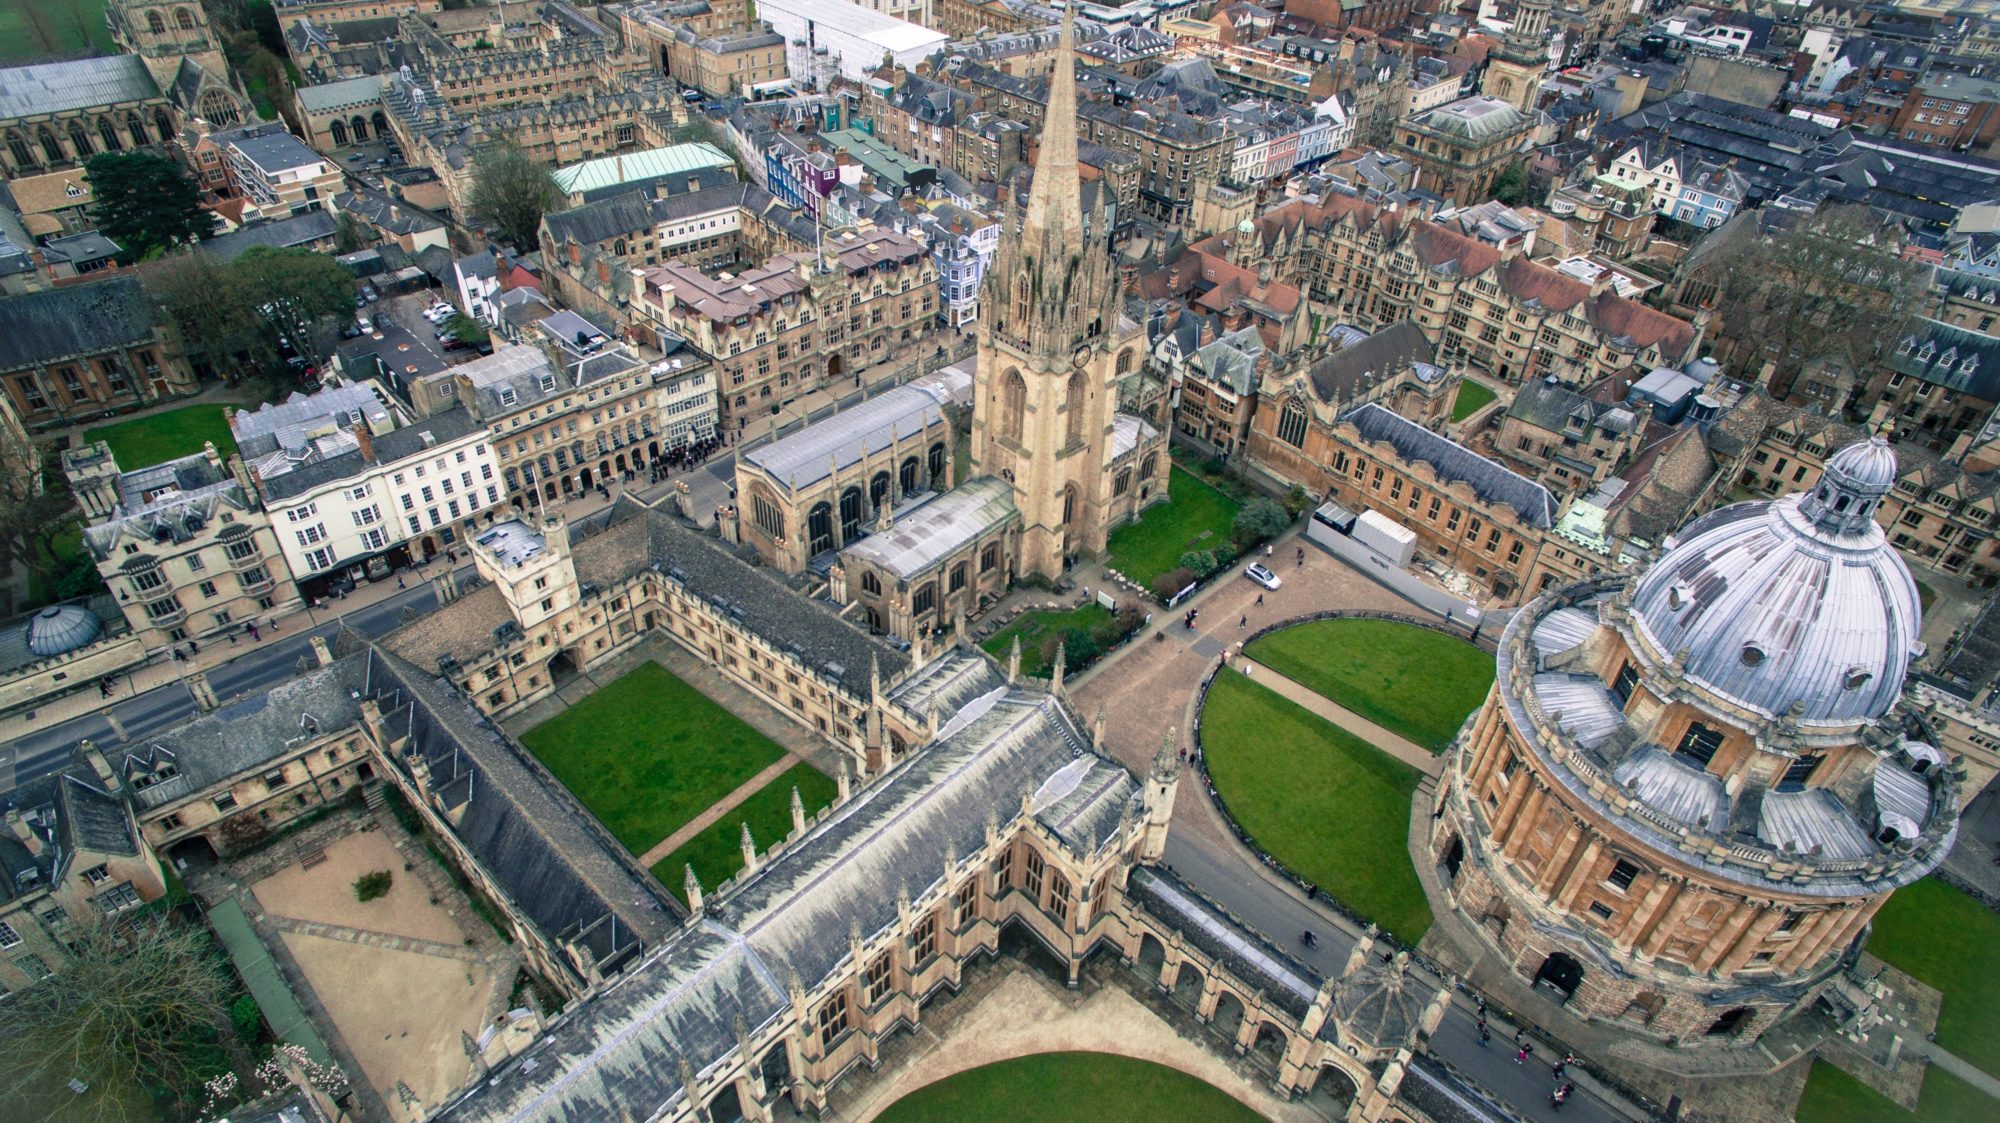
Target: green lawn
1049, 1087
71, 25
1034, 626
1926, 596
159, 437
648, 752
1196, 517
717, 853
1945, 939
1832, 1096
1472, 397
1411, 681
1330, 806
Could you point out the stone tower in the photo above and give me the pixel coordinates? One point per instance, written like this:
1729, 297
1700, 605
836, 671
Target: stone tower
1044, 397
1514, 72
163, 32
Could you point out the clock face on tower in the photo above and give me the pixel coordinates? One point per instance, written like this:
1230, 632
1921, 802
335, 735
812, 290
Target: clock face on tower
1082, 357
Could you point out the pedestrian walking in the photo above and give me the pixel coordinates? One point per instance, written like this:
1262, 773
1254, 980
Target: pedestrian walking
1260, 600
194, 648
399, 582
1567, 1060
1485, 1035
1243, 621
1527, 1050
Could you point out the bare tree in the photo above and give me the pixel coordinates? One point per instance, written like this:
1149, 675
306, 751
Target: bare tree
511, 190
1831, 289
140, 1005
35, 504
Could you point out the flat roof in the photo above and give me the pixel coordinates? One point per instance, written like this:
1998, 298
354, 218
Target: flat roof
512, 542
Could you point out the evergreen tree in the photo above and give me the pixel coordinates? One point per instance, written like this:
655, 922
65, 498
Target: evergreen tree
145, 203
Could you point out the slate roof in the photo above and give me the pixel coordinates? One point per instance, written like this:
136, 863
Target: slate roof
1453, 461
561, 869
620, 1050
1399, 347
53, 87
935, 531
811, 454
353, 92
1947, 355
298, 230
245, 735
412, 440
73, 320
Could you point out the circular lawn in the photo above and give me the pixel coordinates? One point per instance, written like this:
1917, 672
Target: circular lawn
1417, 683
1101, 1087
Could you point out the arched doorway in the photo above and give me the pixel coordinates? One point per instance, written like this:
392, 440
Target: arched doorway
1334, 1089
833, 366
1270, 1044
1152, 956
1732, 1023
777, 1068
725, 1107
586, 476
1454, 857
1560, 972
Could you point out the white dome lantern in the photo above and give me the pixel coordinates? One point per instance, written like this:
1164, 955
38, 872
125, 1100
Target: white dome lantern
1798, 606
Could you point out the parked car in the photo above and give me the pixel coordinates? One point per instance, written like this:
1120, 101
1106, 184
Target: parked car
450, 343
368, 293
1262, 576
363, 323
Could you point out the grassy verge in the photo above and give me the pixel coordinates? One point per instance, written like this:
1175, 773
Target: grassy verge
648, 752
159, 437
1331, 807
1062, 1086
1195, 517
1038, 630
1472, 397
1412, 681
717, 853
65, 27
1945, 939
1832, 1096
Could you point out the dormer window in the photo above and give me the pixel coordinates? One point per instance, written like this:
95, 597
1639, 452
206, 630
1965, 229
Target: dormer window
1856, 678
1752, 655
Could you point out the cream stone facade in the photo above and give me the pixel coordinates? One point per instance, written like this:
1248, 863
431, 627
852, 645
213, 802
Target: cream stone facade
186, 546
1678, 810
1055, 357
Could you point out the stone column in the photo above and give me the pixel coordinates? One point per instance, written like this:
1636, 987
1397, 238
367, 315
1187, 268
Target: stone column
1647, 908
1511, 806
1746, 947
1806, 941
1655, 939
1718, 947
1523, 827
1552, 870
1579, 876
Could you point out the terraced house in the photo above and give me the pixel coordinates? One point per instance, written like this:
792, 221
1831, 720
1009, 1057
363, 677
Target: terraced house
1486, 305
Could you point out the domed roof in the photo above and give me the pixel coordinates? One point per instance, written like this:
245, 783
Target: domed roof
62, 628
1799, 602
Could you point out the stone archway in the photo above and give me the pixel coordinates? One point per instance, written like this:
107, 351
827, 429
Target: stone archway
1333, 1088
1227, 1021
1561, 973
1152, 956
1270, 1044
1188, 985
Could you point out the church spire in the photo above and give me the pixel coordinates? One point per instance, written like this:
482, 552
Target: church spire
1054, 213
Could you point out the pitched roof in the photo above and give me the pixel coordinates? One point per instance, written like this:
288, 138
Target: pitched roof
73, 320
1389, 351
940, 528
53, 87
1453, 462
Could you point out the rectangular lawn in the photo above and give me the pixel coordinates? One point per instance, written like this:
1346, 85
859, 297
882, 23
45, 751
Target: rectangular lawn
648, 752
1945, 939
717, 853
1194, 517
1412, 681
1331, 807
159, 437
71, 26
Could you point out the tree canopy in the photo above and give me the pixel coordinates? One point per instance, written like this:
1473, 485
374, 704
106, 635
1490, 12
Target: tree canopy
145, 203
35, 507
511, 190
1830, 289
232, 315
139, 1004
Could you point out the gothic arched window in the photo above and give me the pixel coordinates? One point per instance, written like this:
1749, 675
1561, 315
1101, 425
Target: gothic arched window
183, 19
218, 108
906, 476
51, 147
850, 514
108, 132
165, 124
338, 131
1013, 405
936, 464
155, 24
878, 490
137, 130
79, 140
1021, 301
17, 146
1292, 424
1127, 359
769, 518
871, 584
1079, 389
819, 529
